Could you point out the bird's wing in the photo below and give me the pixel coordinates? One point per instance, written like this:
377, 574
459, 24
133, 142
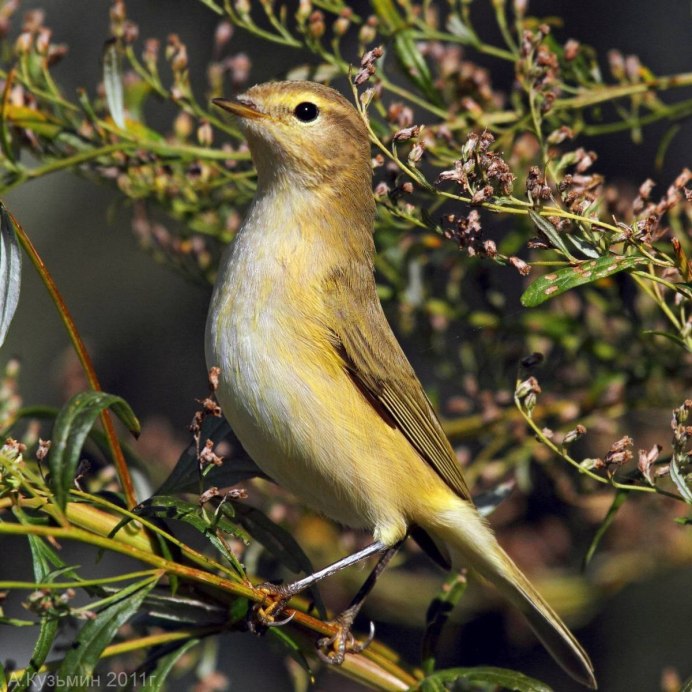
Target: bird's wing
372, 357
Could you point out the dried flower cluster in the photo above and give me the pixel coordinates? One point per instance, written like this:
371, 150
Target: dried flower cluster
210, 408
480, 172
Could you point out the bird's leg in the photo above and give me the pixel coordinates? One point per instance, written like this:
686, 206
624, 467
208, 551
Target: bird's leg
333, 649
277, 596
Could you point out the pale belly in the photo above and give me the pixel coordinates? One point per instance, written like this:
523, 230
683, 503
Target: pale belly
306, 425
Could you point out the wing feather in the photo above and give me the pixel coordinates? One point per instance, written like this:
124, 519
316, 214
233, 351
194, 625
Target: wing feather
373, 358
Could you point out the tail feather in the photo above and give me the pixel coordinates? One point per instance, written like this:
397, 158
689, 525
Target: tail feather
473, 544
545, 622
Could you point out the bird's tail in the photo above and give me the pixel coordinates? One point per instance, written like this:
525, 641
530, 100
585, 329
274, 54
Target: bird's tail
472, 544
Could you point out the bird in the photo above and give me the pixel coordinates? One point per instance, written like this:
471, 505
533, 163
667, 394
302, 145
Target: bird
312, 378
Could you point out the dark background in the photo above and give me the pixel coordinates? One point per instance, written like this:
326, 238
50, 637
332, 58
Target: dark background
144, 323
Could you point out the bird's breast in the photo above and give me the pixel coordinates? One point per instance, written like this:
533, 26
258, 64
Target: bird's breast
288, 397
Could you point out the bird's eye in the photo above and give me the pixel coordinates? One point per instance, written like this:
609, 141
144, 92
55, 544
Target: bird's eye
306, 112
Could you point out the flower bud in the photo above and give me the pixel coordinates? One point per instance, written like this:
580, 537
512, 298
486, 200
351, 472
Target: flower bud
130, 32
341, 26
416, 153
205, 134
573, 435
316, 25
42, 41
304, 11
222, 35
23, 43
368, 32
242, 7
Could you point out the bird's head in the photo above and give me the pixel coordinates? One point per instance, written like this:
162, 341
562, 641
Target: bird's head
303, 134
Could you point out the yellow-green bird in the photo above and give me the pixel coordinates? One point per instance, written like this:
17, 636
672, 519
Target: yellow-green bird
314, 382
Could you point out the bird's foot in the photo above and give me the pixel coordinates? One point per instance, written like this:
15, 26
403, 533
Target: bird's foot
333, 649
268, 612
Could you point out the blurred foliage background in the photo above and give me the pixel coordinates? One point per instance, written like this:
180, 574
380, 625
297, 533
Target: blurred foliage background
132, 243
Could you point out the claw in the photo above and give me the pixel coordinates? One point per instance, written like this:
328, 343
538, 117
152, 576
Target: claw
281, 623
333, 650
361, 646
264, 614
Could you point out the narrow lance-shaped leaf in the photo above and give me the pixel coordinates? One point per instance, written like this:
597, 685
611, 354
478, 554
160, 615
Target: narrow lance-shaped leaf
461, 30
437, 616
113, 82
471, 678
682, 260
551, 233
71, 429
154, 680
166, 507
279, 542
681, 480
43, 556
5, 139
276, 540
188, 611
48, 631
563, 280
294, 651
584, 246
97, 634
618, 501
413, 62
98, 437
10, 272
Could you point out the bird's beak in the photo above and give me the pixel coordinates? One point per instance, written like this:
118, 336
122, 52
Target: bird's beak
243, 107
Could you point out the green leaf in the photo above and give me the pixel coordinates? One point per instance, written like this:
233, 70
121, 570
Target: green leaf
97, 634
276, 540
168, 507
98, 437
556, 283
70, 431
44, 557
5, 138
586, 248
38, 122
189, 611
47, 564
212, 6
461, 30
388, 14
438, 613
16, 622
41, 557
551, 233
155, 678
185, 476
680, 478
46, 636
294, 650
618, 501
113, 82
10, 272
415, 67
671, 337
481, 678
